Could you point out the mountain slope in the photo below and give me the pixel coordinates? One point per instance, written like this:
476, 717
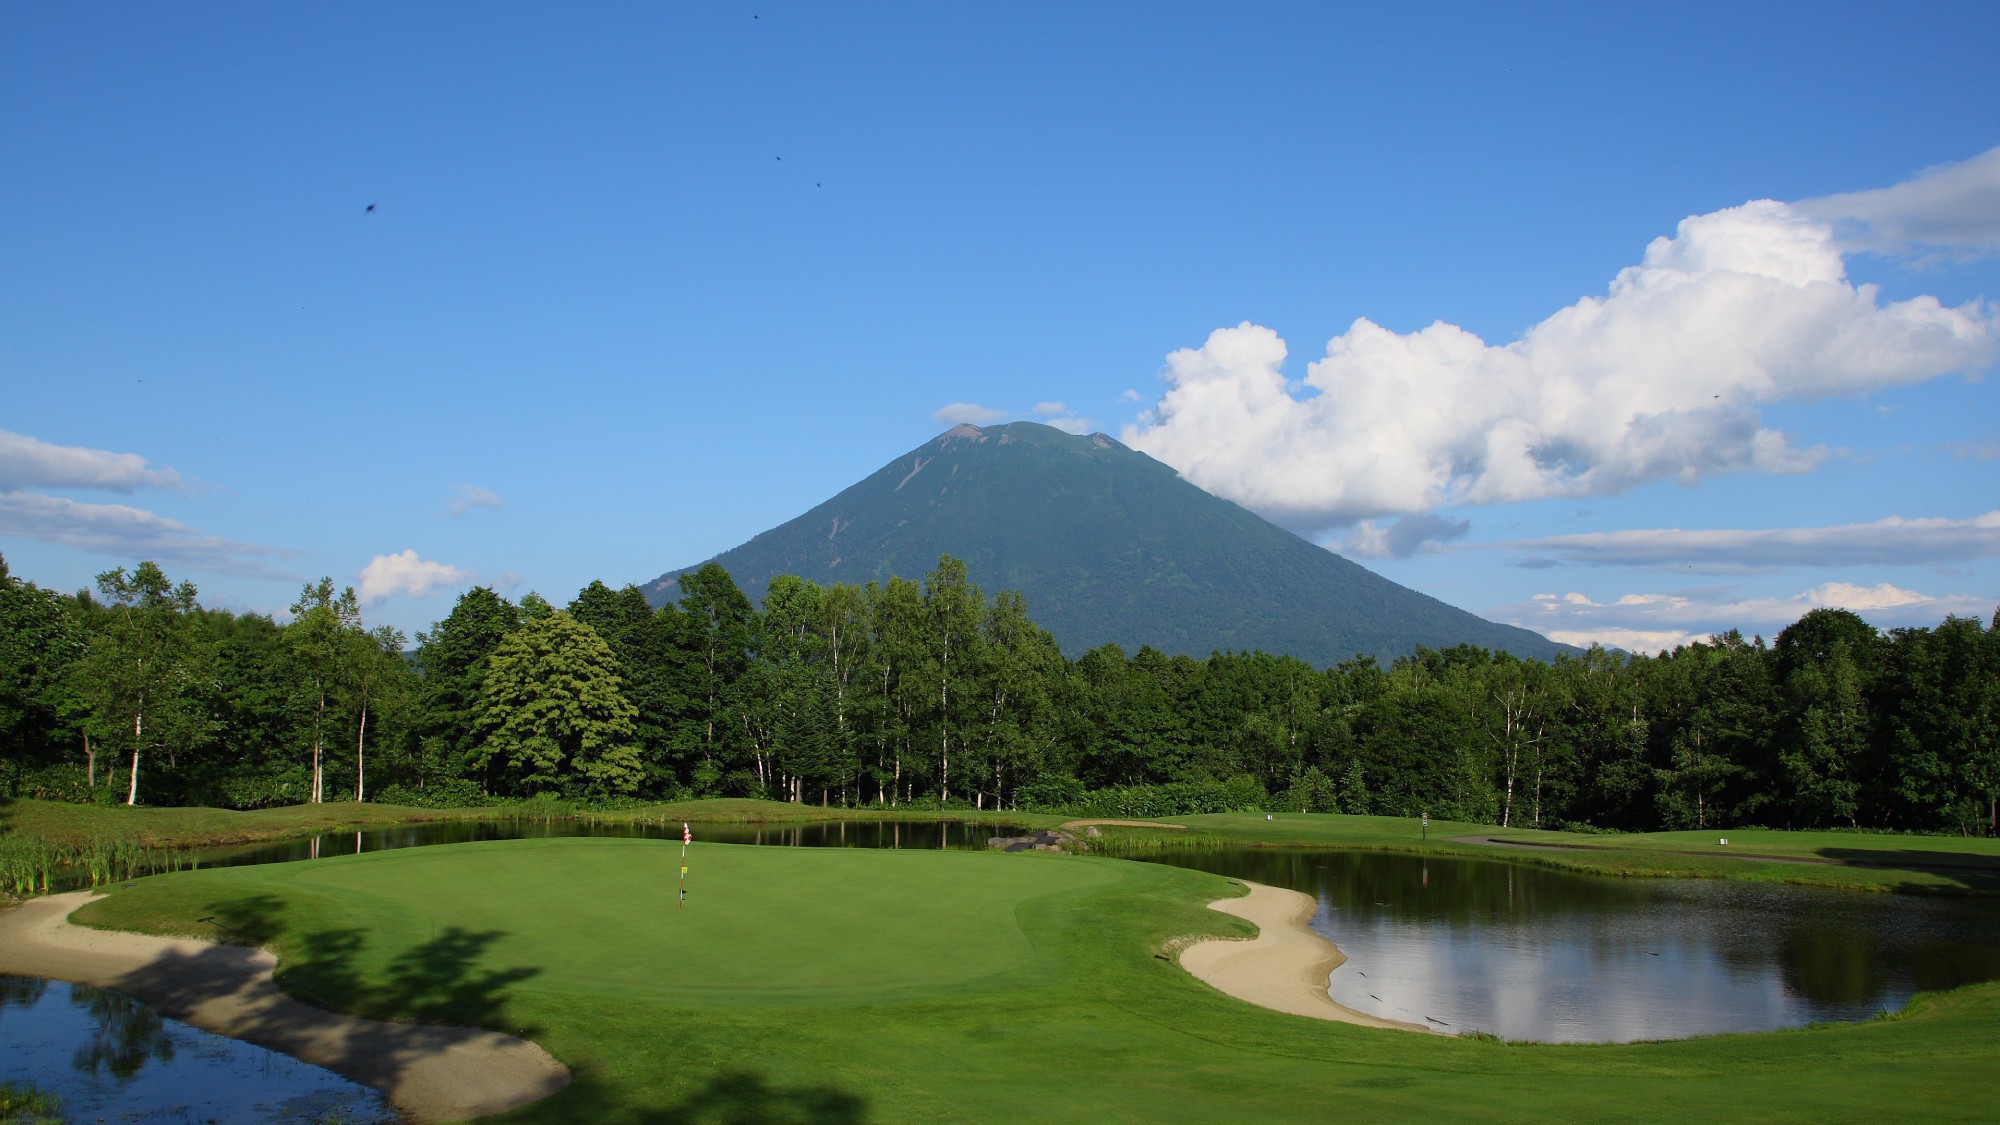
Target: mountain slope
1107, 544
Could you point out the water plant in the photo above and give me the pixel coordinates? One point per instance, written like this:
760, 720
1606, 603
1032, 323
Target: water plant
24, 1105
34, 864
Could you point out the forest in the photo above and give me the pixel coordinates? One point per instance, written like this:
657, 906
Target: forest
930, 694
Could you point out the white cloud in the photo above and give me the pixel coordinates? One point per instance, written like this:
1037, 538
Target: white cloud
1657, 379
1951, 210
132, 534
1652, 622
1894, 541
1402, 538
1044, 409
962, 413
465, 497
1129, 395
1071, 424
27, 462
405, 573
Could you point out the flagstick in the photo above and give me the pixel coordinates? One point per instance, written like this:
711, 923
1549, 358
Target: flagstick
686, 835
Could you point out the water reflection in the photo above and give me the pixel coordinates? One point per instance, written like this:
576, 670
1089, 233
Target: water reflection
106, 1056
128, 1034
946, 834
1533, 953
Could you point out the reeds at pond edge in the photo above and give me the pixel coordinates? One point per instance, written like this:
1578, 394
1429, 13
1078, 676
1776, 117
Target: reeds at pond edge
31, 865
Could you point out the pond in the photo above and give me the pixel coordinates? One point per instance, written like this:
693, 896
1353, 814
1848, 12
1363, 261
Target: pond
107, 1057
1527, 952
818, 834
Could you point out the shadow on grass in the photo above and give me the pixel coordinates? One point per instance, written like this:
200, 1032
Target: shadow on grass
1970, 870
733, 1097
438, 991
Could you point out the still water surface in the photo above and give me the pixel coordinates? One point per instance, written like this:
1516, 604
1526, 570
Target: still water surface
824, 834
1531, 953
110, 1058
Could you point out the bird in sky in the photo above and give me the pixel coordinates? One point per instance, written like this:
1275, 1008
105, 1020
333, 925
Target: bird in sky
369, 210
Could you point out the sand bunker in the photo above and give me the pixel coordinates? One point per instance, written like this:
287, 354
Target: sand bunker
1285, 966
428, 1072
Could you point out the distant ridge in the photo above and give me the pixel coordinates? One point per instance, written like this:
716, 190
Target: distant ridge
1107, 545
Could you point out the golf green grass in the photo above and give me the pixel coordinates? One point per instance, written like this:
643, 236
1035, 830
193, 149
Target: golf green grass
808, 984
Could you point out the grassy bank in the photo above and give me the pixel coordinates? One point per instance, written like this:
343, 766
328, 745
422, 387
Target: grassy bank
1850, 860
203, 827
1847, 860
821, 984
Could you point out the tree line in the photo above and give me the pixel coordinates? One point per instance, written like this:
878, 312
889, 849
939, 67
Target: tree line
931, 694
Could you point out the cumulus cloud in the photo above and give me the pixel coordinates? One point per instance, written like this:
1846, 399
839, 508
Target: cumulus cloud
27, 462
967, 413
1952, 210
1659, 378
405, 573
466, 497
1402, 538
1894, 541
1045, 409
132, 533
1653, 622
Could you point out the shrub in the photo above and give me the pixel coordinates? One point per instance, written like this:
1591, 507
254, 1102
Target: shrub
450, 793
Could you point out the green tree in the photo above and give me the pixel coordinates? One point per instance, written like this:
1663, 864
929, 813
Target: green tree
40, 639
551, 710
895, 692
1015, 725
717, 635
377, 680
1514, 708
954, 657
642, 640
452, 659
321, 642
143, 671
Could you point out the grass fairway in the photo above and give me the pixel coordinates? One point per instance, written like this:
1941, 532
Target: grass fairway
822, 984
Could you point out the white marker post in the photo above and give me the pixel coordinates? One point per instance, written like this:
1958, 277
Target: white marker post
687, 837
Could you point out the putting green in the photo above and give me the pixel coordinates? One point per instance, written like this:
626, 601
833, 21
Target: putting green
600, 916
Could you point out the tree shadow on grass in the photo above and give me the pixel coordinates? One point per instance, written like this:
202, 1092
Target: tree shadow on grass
1972, 871
439, 992
732, 1097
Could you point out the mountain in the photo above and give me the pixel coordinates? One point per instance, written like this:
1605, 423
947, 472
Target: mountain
1106, 544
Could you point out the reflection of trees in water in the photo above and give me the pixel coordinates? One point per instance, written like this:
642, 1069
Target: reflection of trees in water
1457, 892
828, 834
128, 1034
1838, 951
21, 992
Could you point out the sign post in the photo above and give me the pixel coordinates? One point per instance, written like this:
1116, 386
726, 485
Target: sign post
1426, 815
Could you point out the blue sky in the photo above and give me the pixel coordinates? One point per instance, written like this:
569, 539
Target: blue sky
641, 281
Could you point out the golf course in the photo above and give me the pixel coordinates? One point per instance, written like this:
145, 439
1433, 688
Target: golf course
862, 985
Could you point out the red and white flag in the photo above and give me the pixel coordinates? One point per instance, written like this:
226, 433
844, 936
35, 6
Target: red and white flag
687, 834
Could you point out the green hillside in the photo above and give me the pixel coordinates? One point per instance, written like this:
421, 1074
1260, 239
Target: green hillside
1108, 545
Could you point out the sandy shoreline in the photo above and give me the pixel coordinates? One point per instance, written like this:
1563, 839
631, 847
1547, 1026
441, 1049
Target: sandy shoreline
1285, 967
428, 1072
